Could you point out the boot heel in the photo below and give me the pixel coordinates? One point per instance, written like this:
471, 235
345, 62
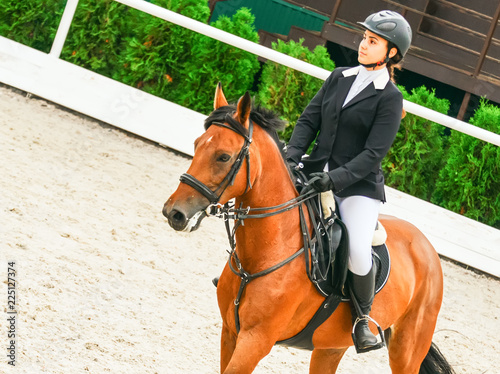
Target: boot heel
369, 348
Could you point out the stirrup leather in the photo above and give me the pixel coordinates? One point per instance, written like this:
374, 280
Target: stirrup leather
379, 345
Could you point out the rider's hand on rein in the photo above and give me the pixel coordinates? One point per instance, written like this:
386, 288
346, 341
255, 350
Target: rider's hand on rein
319, 182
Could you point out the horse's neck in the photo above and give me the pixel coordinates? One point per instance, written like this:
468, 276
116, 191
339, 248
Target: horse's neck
265, 241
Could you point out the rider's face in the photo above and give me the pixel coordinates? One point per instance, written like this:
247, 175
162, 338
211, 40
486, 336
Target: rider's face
372, 49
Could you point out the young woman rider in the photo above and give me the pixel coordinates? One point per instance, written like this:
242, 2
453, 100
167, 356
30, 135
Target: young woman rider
354, 119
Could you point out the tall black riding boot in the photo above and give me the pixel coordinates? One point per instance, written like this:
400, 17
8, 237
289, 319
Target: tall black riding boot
362, 294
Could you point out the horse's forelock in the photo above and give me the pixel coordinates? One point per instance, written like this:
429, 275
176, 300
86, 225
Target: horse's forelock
264, 118
219, 115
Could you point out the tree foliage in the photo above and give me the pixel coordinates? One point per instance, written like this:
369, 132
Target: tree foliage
286, 90
96, 37
212, 61
29, 22
154, 53
469, 183
418, 152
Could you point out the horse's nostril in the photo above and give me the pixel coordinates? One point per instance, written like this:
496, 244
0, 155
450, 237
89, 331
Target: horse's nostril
177, 220
177, 216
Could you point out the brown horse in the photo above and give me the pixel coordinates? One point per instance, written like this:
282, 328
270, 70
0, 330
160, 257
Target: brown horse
234, 159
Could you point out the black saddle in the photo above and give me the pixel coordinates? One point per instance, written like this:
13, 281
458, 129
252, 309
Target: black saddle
335, 278
328, 272
330, 256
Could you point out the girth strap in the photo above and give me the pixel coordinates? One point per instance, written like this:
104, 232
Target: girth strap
303, 339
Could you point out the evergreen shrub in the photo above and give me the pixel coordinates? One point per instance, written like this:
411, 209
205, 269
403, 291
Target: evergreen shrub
288, 91
469, 183
212, 61
155, 52
419, 150
31, 22
96, 37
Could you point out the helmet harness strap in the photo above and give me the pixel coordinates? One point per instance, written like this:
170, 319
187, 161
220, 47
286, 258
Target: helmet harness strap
384, 61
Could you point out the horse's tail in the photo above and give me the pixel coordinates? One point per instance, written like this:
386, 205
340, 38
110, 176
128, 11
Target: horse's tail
435, 363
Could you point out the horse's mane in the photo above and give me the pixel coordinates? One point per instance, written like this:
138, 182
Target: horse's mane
264, 118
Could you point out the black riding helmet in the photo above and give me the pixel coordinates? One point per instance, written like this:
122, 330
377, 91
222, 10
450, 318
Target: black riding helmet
393, 27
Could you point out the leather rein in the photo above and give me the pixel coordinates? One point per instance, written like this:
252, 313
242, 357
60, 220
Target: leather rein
238, 215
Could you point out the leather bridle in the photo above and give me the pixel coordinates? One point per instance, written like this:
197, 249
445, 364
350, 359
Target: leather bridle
244, 154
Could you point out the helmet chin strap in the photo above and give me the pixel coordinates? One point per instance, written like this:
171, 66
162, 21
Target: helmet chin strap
368, 66
384, 61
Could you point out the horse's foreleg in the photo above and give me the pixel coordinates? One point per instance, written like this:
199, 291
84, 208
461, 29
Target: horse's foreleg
251, 347
325, 361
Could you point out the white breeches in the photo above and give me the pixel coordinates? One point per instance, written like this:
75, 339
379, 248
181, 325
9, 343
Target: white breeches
360, 215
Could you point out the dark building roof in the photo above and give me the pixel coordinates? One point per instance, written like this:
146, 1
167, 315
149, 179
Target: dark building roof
456, 42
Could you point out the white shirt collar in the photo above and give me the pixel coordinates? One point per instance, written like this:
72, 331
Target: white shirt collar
379, 82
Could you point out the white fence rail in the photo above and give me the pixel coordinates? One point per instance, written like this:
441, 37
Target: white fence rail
269, 54
62, 30
302, 66
148, 116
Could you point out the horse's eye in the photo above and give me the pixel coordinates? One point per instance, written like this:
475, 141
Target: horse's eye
224, 157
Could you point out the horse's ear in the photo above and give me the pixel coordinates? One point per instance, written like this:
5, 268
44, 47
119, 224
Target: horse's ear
220, 99
243, 108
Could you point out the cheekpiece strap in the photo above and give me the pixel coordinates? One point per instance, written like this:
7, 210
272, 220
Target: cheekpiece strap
200, 187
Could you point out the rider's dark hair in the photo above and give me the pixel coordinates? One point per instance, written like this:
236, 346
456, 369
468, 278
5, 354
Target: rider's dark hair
394, 62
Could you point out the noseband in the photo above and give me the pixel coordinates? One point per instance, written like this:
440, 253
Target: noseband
214, 196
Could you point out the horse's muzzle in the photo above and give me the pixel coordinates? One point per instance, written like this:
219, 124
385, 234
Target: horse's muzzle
180, 220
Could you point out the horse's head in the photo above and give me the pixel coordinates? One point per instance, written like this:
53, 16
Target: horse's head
214, 176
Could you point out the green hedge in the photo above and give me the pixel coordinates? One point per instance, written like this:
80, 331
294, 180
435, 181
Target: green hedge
31, 22
286, 90
138, 49
469, 184
211, 61
154, 53
96, 37
418, 153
